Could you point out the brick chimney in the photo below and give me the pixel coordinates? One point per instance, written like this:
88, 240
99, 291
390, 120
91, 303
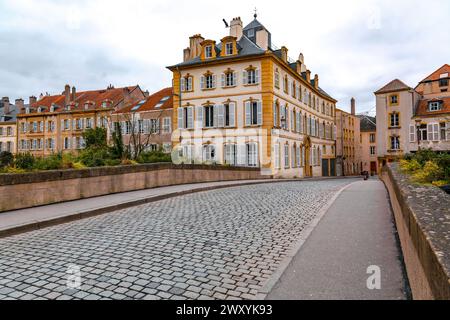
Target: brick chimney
308, 76
66, 95
195, 45
353, 106
186, 54
6, 108
236, 28
32, 100
20, 104
126, 96
299, 66
316, 81
74, 94
284, 54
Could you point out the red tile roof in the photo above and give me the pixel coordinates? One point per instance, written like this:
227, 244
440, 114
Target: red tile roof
422, 109
394, 85
153, 102
94, 97
436, 74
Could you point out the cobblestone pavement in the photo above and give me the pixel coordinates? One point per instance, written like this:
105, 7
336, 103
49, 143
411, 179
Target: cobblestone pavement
222, 244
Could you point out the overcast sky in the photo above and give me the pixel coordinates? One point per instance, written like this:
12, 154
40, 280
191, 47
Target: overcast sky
355, 46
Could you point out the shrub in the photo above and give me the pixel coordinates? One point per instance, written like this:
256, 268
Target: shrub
24, 161
430, 172
154, 157
95, 138
112, 162
410, 166
94, 157
52, 162
425, 155
6, 159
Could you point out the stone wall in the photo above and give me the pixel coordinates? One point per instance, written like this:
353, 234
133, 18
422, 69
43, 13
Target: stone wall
422, 215
19, 191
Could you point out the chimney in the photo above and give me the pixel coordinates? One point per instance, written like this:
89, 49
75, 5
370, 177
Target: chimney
5, 101
353, 106
66, 95
20, 105
186, 54
195, 45
33, 100
236, 28
299, 67
308, 76
284, 54
316, 81
146, 94
126, 96
74, 94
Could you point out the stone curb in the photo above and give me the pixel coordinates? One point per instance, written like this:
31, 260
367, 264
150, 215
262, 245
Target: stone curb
37, 225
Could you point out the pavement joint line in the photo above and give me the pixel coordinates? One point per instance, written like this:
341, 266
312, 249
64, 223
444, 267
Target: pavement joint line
35, 225
275, 277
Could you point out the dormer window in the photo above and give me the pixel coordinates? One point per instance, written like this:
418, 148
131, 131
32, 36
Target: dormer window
208, 52
52, 108
229, 48
68, 107
27, 110
251, 33
39, 110
435, 105
86, 106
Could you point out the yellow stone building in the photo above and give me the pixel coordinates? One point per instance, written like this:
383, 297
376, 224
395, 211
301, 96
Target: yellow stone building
241, 101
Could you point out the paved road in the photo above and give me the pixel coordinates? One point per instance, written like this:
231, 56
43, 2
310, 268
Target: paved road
223, 244
357, 232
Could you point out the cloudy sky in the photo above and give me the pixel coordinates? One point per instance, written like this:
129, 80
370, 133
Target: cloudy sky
355, 46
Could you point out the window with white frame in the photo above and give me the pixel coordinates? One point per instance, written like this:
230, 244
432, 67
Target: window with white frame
251, 76
66, 143
186, 152
186, 118
209, 153
253, 113
394, 119
228, 110
154, 126
208, 52
298, 156
277, 79
434, 105
395, 143
373, 150
284, 117
167, 125
229, 48
208, 81
186, 83
293, 156
412, 134
445, 127
229, 79
433, 131
275, 114
252, 154
209, 116
286, 156
230, 154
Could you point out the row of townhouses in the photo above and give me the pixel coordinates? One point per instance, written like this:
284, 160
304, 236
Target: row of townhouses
240, 101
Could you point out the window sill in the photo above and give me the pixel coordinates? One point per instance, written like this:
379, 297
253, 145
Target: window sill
229, 87
393, 128
208, 89
251, 84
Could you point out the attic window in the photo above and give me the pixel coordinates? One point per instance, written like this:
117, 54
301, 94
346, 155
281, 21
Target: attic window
434, 105
86, 106
251, 33
208, 52
136, 107
444, 75
27, 110
229, 48
39, 110
52, 108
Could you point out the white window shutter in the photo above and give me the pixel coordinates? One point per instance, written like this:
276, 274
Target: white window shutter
248, 113
190, 120
242, 155
436, 132
199, 111
244, 77
223, 79
202, 82
214, 79
232, 114
260, 113
180, 118
189, 86
277, 155
275, 114
183, 84
216, 115
62, 125
430, 132
412, 133
235, 78
447, 131
221, 116
257, 76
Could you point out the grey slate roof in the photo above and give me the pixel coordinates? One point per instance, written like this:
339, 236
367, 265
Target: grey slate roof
368, 123
255, 24
11, 116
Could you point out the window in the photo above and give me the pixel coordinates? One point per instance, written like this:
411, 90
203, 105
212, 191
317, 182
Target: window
444, 129
293, 157
208, 52
394, 119
372, 138
373, 151
229, 111
433, 131
434, 106
229, 48
284, 117
154, 126
167, 147
251, 76
66, 143
209, 153
395, 143
253, 113
252, 154
230, 154
277, 155
443, 83
251, 33
286, 156
167, 126
229, 79
9, 131
393, 99
423, 132
298, 156
186, 118
186, 84
285, 84
208, 81
208, 116
277, 79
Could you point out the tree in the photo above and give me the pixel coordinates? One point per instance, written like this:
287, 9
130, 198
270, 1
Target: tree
6, 159
95, 138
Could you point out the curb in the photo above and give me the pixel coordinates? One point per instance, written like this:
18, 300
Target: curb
273, 280
38, 225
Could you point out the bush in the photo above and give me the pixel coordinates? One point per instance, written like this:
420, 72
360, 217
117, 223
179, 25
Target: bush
95, 138
52, 162
6, 159
430, 172
425, 155
154, 157
24, 161
410, 166
94, 157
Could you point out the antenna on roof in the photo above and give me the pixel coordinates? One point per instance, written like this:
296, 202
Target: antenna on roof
226, 23
256, 13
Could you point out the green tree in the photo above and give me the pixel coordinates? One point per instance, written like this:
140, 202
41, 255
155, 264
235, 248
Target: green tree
95, 138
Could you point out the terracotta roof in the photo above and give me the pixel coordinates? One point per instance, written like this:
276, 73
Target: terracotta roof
436, 74
160, 100
94, 97
422, 109
394, 85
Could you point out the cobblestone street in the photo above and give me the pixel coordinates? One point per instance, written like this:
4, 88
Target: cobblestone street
222, 244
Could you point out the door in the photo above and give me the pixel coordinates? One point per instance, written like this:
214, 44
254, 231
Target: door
373, 168
333, 167
325, 171
308, 168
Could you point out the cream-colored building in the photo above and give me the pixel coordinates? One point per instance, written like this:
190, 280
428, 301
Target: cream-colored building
369, 159
8, 127
243, 102
348, 146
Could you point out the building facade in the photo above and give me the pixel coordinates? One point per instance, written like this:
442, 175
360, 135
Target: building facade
56, 123
243, 102
369, 159
147, 124
8, 127
409, 119
348, 146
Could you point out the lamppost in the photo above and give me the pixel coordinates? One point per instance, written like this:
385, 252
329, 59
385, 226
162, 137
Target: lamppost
418, 122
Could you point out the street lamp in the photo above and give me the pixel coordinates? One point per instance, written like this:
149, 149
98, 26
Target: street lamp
418, 122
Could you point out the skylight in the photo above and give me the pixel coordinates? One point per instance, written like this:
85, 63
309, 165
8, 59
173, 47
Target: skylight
136, 107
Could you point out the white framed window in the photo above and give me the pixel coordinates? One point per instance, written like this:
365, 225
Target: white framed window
209, 116
208, 81
434, 106
284, 117
394, 119
373, 150
229, 48
252, 154
298, 156
231, 154
286, 156
253, 113
251, 76
227, 115
251, 33
293, 157
209, 153
395, 143
229, 79
433, 131
186, 84
186, 118
186, 152
167, 125
208, 52
277, 79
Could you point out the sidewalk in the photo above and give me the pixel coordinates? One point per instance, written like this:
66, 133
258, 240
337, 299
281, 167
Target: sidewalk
355, 233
